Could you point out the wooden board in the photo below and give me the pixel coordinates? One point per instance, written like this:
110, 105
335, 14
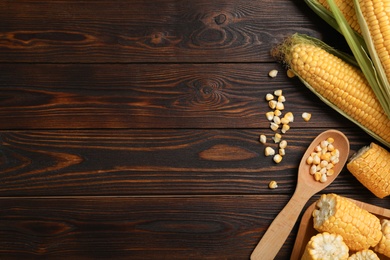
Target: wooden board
306, 230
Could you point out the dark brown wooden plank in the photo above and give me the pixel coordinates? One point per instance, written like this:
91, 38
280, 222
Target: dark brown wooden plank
149, 31
153, 162
201, 227
150, 96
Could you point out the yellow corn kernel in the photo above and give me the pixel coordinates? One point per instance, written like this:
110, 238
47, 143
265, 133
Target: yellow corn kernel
277, 138
272, 184
278, 92
282, 99
263, 139
282, 151
285, 128
274, 126
306, 116
277, 112
371, 166
277, 158
270, 115
273, 73
335, 80
269, 151
276, 120
336, 214
283, 144
284, 121
269, 97
367, 254
279, 105
272, 104
383, 247
289, 116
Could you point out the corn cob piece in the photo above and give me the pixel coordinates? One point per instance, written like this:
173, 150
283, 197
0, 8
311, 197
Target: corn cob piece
326, 246
367, 254
371, 166
336, 82
336, 214
383, 247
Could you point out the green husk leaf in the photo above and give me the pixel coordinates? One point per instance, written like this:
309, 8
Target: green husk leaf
384, 86
361, 55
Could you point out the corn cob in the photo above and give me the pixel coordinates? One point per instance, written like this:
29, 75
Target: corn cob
367, 254
371, 166
325, 246
336, 82
336, 214
383, 247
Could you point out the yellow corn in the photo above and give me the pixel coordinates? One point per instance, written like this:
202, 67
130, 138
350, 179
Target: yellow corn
383, 246
347, 8
325, 246
371, 166
367, 254
376, 14
341, 85
336, 214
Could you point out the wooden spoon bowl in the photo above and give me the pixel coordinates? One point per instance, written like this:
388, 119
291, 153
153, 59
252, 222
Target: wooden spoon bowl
280, 228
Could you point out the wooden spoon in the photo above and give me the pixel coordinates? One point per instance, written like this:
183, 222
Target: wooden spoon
280, 228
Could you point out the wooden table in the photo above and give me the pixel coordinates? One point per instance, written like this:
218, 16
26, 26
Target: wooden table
129, 129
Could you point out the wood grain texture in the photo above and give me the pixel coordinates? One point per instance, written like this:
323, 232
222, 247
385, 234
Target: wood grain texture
147, 31
200, 227
151, 96
154, 162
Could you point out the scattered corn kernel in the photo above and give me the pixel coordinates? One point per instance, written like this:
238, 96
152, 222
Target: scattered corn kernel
277, 137
272, 104
283, 144
274, 126
323, 178
285, 128
273, 185
281, 99
289, 116
277, 158
269, 97
279, 105
306, 116
282, 151
277, 112
273, 73
284, 121
269, 151
276, 120
263, 139
270, 115
278, 92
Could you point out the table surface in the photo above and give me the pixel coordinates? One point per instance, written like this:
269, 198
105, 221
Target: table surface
129, 129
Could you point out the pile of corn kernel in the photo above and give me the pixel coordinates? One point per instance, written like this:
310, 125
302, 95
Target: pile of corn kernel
323, 159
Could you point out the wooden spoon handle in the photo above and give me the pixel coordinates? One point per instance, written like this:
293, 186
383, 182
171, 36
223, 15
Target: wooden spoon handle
280, 228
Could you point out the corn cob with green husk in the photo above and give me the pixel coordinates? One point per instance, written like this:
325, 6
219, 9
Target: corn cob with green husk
365, 26
338, 215
330, 75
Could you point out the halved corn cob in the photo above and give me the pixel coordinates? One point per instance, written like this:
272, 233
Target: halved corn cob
383, 247
336, 82
367, 254
371, 166
336, 214
325, 246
